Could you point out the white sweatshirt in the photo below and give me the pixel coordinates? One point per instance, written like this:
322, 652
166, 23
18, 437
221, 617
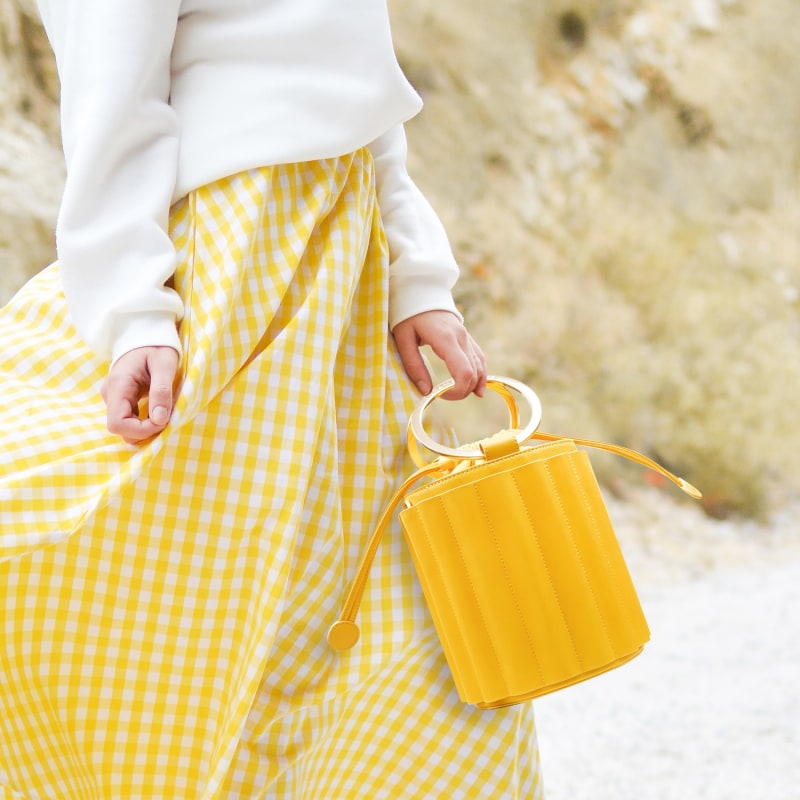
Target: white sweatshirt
159, 97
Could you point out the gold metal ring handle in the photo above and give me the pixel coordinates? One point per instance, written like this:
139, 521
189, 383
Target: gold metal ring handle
500, 385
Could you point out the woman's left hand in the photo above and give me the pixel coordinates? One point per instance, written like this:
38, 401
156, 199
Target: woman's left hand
143, 371
450, 341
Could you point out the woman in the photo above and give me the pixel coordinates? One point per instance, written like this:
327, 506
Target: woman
237, 237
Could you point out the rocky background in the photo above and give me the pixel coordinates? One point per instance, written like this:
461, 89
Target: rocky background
31, 165
620, 181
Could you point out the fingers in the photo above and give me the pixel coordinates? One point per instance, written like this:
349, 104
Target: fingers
451, 342
483, 368
464, 361
143, 372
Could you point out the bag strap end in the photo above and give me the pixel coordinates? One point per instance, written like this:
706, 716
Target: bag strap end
344, 633
689, 489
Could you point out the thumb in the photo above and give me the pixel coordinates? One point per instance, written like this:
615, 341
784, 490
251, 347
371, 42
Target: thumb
408, 346
162, 366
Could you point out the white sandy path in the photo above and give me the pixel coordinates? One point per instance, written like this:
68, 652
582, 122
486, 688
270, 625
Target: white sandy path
710, 710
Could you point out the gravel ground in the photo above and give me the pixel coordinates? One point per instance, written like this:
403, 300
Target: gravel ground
711, 709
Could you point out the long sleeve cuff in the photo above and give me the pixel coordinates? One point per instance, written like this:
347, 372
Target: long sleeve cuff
147, 330
121, 141
422, 268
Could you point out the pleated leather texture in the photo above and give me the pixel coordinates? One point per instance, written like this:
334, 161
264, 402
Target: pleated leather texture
523, 575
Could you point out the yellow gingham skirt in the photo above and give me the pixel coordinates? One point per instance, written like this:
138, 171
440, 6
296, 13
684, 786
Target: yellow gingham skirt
164, 606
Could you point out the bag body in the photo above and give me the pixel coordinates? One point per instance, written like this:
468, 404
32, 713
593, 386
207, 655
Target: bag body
523, 575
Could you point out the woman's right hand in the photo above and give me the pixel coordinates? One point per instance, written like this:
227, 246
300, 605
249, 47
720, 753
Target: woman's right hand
450, 341
143, 372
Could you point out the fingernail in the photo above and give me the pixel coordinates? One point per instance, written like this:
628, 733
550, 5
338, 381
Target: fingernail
159, 415
423, 387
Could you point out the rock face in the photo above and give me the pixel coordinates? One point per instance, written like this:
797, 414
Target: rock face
620, 178
620, 181
31, 168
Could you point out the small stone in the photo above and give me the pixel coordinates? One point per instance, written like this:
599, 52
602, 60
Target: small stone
705, 15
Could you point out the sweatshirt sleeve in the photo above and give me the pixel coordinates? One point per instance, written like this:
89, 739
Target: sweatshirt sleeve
120, 143
422, 268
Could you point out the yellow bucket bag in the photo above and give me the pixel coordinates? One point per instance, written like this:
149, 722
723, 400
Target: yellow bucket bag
517, 558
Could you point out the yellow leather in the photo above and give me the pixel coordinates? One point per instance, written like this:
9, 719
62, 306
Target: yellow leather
520, 567
523, 575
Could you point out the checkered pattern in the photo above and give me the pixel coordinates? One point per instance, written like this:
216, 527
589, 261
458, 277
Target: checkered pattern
164, 606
